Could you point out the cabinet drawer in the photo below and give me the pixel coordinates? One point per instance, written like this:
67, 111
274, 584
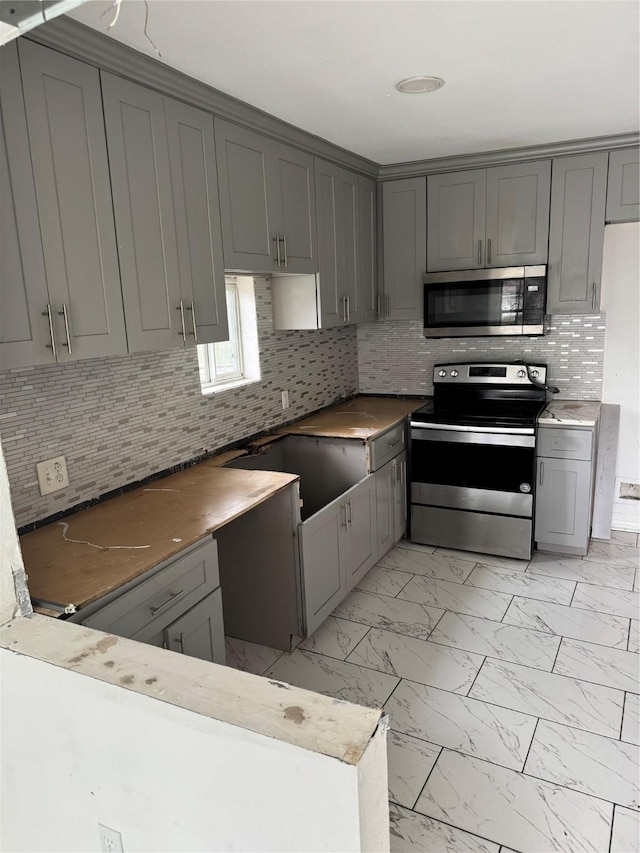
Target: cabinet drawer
156, 602
386, 446
565, 443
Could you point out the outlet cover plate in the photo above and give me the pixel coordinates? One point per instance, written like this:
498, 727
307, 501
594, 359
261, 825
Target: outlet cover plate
52, 475
110, 839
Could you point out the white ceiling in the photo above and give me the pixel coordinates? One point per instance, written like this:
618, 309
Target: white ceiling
517, 73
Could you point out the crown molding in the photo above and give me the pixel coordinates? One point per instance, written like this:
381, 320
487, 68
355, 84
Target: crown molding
507, 155
82, 42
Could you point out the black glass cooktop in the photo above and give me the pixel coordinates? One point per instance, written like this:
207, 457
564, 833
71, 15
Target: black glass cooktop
481, 412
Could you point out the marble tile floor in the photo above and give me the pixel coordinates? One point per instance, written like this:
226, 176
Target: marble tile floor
512, 692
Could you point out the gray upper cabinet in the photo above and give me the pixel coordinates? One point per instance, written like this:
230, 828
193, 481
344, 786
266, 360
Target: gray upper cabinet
71, 177
488, 217
576, 233
267, 203
456, 205
367, 251
194, 182
517, 225
337, 197
143, 205
623, 190
25, 337
163, 172
295, 208
404, 210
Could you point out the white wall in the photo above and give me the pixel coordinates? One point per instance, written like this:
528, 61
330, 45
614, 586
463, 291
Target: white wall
14, 598
621, 380
168, 779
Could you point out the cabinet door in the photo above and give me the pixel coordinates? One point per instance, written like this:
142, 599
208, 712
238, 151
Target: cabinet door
73, 190
404, 211
623, 190
563, 502
295, 208
367, 251
194, 183
385, 508
200, 632
348, 243
145, 223
400, 498
361, 539
323, 562
576, 233
456, 205
332, 304
517, 229
248, 218
25, 337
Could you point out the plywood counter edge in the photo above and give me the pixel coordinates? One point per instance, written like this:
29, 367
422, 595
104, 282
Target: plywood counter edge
304, 719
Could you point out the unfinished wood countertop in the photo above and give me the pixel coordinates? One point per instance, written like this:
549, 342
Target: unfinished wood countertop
362, 417
120, 539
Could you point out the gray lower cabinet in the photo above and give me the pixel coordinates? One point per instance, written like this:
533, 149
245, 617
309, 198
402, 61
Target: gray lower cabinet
564, 491
576, 233
404, 218
267, 203
337, 548
178, 605
494, 217
163, 176
623, 188
391, 503
198, 633
83, 314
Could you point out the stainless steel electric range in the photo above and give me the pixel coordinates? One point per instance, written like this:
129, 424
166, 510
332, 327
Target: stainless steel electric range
472, 458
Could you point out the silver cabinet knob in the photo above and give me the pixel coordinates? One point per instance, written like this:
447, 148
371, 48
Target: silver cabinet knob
535, 373
521, 374
454, 372
442, 373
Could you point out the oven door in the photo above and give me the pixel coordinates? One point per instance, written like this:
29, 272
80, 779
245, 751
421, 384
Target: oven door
489, 469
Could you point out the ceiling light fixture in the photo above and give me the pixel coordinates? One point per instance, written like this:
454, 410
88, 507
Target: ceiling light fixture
419, 85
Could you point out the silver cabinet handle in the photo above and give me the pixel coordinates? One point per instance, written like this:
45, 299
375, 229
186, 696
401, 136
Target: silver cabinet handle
541, 473
181, 641
64, 314
192, 308
348, 309
172, 597
394, 478
489, 250
52, 345
344, 309
344, 523
388, 305
479, 253
180, 308
276, 240
284, 245
393, 443
380, 306
402, 472
350, 518
593, 296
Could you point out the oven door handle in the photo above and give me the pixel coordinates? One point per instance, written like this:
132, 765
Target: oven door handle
465, 436
477, 429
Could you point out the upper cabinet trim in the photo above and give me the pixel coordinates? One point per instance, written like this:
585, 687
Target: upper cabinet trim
107, 54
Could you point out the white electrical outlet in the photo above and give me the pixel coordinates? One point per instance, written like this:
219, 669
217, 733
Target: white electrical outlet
52, 475
110, 840
285, 399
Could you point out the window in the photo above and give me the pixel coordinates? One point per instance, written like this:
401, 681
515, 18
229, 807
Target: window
233, 362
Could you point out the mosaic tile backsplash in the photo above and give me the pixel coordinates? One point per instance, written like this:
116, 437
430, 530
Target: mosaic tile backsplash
120, 419
395, 358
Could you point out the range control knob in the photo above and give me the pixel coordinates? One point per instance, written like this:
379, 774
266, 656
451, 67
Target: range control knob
521, 374
442, 373
535, 373
454, 373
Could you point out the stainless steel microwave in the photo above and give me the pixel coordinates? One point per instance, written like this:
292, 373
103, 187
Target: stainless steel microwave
500, 301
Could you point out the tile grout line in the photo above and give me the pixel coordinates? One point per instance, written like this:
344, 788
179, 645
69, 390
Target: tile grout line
475, 678
502, 622
366, 634
427, 779
624, 705
556, 657
524, 763
613, 817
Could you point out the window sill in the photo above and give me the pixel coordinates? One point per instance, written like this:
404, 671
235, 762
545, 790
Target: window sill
219, 387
